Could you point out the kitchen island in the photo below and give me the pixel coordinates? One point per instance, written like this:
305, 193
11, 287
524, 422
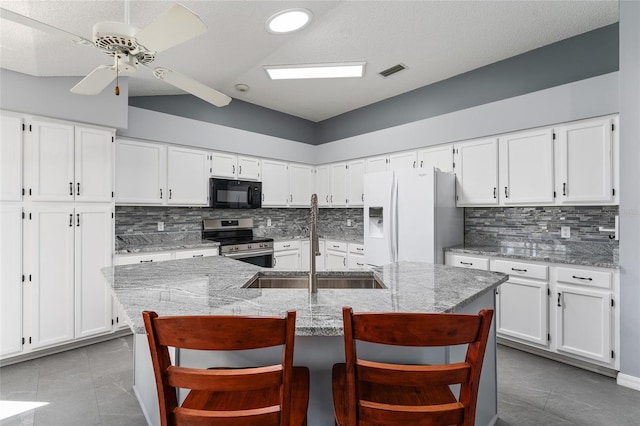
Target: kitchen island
214, 286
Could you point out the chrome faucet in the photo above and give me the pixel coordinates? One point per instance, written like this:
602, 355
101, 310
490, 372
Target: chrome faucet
314, 245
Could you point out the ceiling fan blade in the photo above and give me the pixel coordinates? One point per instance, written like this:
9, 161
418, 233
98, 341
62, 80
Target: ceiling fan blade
29, 22
96, 81
192, 86
176, 25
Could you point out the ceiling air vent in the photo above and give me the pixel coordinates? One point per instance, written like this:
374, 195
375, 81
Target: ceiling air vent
394, 69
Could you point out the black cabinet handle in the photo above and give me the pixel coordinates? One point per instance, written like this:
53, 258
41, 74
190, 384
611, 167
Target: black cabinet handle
233, 171
78, 192
78, 219
146, 261
198, 255
518, 270
581, 278
161, 193
70, 219
239, 170
495, 192
421, 163
70, 188
559, 296
506, 194
466, 263
169, 194
564, 189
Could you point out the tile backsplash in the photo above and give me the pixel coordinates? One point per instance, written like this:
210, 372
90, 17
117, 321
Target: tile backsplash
285, 223
542, 226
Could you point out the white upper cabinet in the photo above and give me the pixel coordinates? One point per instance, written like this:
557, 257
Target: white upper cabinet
300, 185
356, 183
68, 163
338, 197
50, 161
526, 167
403, 160
477, 172
187, 176
224, 165
584, 158
439, 157
249, 168
323, 185
11, 157
233, 166
275, 183
376, 164
141, 172
93, 164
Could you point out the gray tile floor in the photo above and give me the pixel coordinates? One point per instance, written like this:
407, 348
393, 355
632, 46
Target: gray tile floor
91, 386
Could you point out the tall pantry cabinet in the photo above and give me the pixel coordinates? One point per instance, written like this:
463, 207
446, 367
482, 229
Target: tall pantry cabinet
57, 233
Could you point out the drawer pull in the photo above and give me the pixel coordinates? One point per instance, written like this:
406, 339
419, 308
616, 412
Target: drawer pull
359, 249
518, 270
559, 296
286, 245
198, 255
359, 264
146, 261
575, 277
466, 263
335, 246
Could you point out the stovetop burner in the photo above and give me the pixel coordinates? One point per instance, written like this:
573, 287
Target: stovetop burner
234, 232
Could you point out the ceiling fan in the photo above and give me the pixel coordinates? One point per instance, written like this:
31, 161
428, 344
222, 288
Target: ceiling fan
131, 47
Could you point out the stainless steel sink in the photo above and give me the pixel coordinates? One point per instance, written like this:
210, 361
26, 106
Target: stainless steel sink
355, 281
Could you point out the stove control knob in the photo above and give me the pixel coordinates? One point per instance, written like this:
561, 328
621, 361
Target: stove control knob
249, 246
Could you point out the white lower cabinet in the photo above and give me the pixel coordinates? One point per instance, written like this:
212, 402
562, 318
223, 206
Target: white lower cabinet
569, 312
11, 286
335, 255
355, 256
305, 256
464, 261
286, 255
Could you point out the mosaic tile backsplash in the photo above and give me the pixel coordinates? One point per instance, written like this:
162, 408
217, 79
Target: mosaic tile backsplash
541, 225
136, 223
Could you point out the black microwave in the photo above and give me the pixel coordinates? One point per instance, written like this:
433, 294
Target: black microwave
234, 194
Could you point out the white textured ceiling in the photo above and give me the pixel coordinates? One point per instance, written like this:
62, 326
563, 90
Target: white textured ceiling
434, 39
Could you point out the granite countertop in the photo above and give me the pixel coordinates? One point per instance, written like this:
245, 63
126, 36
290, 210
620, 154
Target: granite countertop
166, 246
564, 255
344, 238
213, 286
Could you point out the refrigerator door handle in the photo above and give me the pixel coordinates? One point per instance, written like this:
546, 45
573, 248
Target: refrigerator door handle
393, 216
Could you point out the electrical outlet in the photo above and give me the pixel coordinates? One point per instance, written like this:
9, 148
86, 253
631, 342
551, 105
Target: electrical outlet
160, 226
348, 222
565, 232
268, 221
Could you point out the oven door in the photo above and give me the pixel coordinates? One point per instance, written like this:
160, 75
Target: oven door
235, 194
262, 258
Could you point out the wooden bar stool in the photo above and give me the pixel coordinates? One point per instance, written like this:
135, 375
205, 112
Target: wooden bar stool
375, 393
265, 395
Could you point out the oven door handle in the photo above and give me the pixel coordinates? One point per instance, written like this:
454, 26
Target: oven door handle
244, 254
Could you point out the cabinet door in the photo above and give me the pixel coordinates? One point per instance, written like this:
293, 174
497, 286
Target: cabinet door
187, 176
376, 164
526, 167
93, 165
584, 322
584, 152
522, 310
51, 163
93, 247
477, 173
249, 168
355, 261
338, 197
287, 260
300, 179
403, 160
10, 279
355, 184
223, 165
439, 157
140, 172
305, 255
10, 157
323, 185
335, 260
51, 260
275, 180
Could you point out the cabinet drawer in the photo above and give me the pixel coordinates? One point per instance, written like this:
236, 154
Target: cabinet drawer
520, 269
586, 277
356, 248
470, 262
129, 259
286, 245
188, 254
336, 245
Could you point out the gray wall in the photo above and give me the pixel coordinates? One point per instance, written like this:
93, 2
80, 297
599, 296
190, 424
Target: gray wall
629, 191
50, 97
552, 65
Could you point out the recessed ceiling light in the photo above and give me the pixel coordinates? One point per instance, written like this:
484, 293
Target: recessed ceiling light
289, 20
295, 72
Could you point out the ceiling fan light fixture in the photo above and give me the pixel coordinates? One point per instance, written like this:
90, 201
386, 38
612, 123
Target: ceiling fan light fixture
289, 20
308, 71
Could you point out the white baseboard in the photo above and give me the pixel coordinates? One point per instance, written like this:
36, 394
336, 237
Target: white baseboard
627, 381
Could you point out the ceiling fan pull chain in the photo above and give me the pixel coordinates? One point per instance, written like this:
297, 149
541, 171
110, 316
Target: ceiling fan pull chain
117, 88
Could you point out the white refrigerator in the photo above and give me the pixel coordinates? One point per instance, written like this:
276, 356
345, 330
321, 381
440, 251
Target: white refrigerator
410, 215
